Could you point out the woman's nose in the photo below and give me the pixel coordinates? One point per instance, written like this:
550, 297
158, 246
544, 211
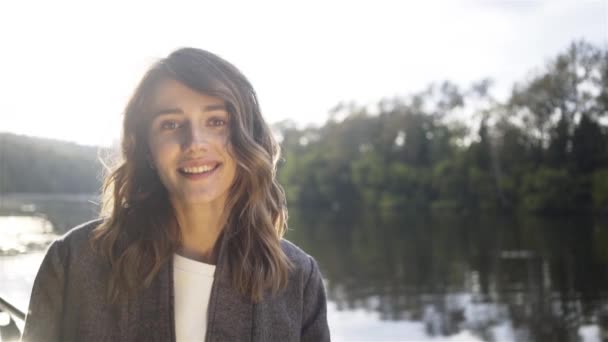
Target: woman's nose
196, 138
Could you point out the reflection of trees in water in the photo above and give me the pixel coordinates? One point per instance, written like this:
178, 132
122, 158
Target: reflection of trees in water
63, 211
543, 277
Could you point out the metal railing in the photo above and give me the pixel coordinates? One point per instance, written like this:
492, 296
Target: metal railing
10, 331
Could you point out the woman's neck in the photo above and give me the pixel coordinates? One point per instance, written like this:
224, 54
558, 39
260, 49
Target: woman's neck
200, 227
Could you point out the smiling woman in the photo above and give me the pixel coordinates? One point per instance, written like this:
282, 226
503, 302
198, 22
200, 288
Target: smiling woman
189, 146
189, 244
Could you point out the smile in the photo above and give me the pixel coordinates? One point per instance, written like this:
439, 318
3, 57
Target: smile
199, 171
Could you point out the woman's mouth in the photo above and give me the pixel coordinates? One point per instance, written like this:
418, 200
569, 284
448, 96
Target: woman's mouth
198, 172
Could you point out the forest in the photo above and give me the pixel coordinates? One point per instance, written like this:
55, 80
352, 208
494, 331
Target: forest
543, 150
47, 166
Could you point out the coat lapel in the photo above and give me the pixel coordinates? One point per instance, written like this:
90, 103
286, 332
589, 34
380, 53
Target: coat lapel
230, 314
151, 316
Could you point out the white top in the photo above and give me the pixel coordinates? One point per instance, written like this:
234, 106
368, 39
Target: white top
192, 281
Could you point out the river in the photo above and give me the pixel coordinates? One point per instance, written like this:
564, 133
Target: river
415, 277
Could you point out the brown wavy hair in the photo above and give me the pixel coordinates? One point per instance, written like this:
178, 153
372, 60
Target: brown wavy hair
139, 232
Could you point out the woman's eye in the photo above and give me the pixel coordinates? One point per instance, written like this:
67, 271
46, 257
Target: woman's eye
217, 122
169, 125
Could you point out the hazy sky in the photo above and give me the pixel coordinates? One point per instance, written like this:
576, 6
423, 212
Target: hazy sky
68, 68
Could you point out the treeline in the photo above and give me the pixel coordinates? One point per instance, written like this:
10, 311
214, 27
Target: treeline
542, 150
36, 165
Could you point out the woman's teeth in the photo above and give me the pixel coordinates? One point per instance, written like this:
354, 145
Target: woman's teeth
198, 169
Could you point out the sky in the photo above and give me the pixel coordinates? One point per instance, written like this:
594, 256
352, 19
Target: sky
67, 68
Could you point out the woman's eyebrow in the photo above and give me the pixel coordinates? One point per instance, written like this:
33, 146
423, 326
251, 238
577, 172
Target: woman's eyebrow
214, 107
167, 111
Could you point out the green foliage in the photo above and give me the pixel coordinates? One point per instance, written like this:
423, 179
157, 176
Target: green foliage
549, 190
539, 151
34, 165
544, 150
600, 190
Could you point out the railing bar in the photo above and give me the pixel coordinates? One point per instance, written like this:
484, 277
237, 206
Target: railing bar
12, 310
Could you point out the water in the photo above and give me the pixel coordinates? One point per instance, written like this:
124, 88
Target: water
499, 278
428, 277
22, 239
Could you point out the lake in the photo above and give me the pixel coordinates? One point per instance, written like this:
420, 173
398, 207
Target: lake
407, 276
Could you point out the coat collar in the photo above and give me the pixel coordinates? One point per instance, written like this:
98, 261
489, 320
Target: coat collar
151, 317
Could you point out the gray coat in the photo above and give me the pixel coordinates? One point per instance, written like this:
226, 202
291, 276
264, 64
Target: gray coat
68, 302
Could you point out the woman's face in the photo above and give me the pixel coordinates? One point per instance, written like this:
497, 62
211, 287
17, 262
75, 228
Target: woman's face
189, 145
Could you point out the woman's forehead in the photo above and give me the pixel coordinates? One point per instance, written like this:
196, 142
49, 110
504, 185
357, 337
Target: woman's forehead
170, 92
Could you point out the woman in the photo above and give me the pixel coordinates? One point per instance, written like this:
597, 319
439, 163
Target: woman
189, 245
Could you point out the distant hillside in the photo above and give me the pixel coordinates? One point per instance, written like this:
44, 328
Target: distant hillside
37, 165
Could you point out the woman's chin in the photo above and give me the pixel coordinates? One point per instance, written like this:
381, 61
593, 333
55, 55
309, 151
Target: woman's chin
199, 199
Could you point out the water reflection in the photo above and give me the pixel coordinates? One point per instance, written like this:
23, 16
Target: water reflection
62, 211
20, 234
523, 279
414, 276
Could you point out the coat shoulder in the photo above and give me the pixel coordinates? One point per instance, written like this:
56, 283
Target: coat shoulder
293, 252
81, 231
301, 260
77, 237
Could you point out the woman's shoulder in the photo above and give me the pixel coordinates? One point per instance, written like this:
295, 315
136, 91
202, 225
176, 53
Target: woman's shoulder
303, 262
80, 233
76, 239
293, 252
